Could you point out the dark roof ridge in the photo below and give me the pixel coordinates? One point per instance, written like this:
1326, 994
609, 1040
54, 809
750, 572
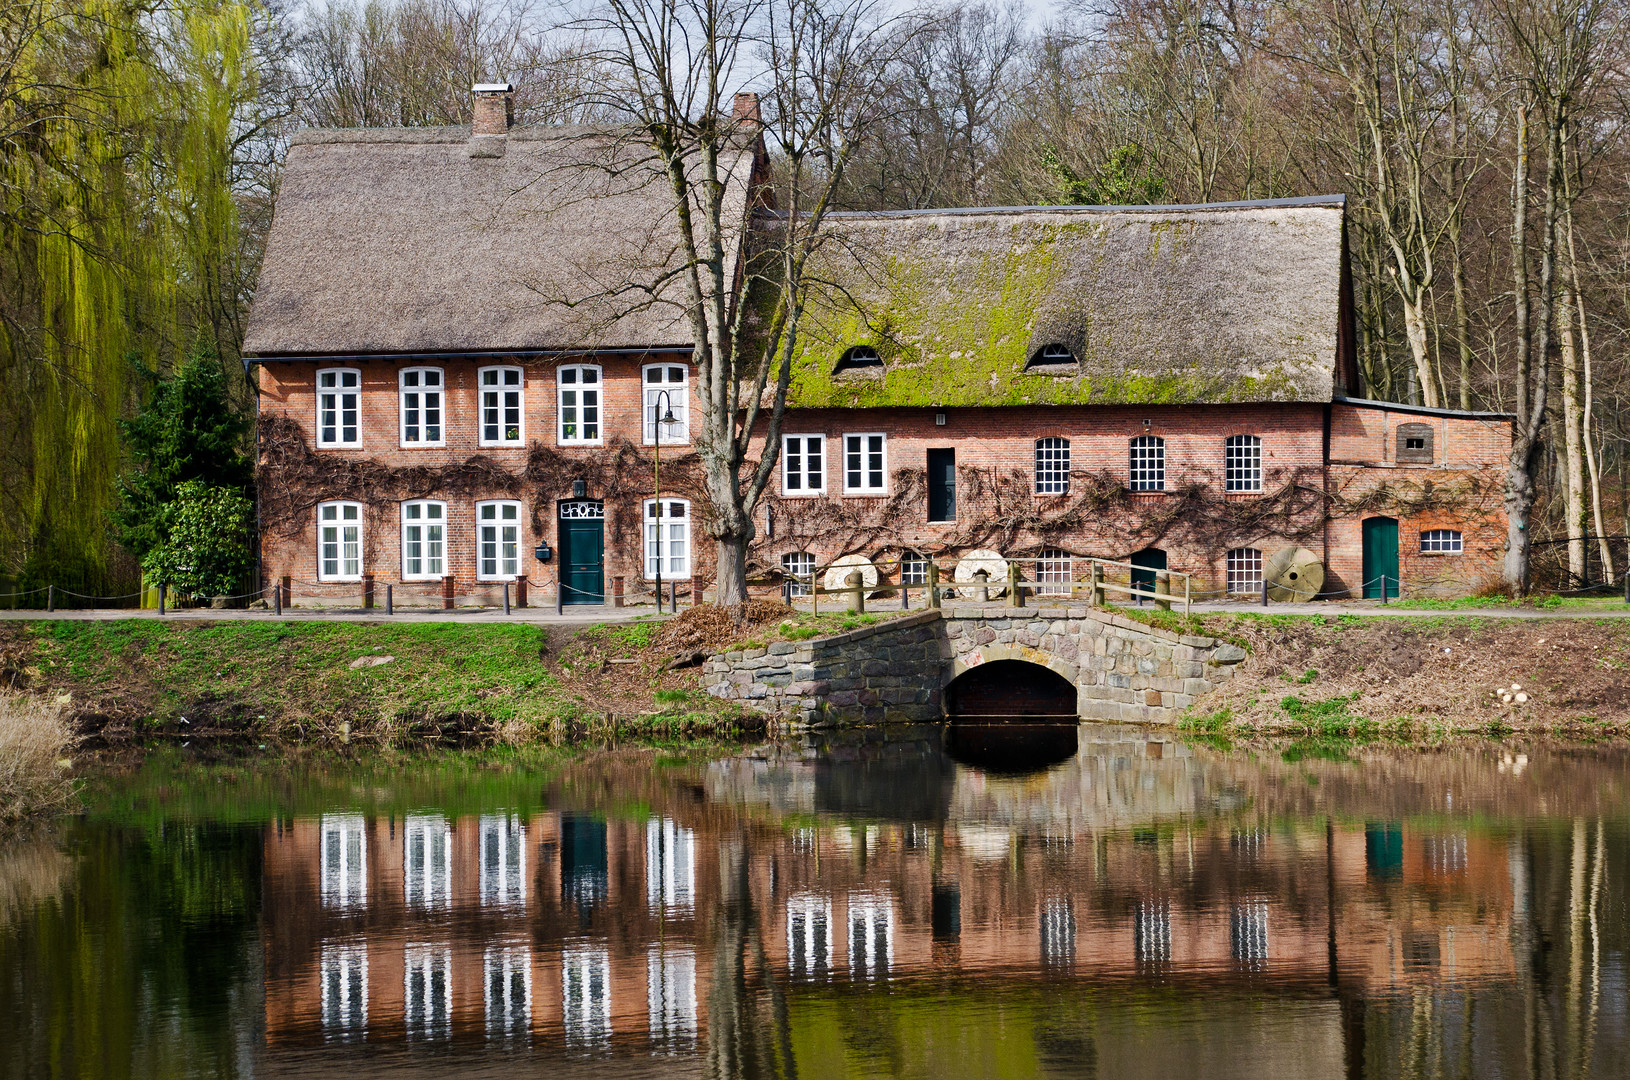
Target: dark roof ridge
452, 133
1424, 410
1252, 204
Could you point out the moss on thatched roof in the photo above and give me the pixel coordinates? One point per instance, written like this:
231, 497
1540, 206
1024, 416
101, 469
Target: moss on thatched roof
424, 240
1224, 303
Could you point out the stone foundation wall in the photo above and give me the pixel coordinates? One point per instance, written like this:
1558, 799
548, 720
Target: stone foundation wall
897, 671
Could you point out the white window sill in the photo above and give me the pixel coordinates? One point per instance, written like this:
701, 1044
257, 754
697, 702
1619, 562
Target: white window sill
805, 494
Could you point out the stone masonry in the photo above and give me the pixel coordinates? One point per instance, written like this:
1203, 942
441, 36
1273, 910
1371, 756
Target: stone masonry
1122, 669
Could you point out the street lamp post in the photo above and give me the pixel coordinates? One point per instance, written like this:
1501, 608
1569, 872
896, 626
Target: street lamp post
662, 397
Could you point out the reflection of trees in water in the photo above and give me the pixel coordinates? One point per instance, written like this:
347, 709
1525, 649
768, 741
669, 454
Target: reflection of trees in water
749, 1030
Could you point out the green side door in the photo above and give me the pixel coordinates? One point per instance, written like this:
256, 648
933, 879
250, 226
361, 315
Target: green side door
583, 551
1380, 556
1147, 562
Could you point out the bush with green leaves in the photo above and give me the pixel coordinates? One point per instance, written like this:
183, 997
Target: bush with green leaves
189, 430
207, 547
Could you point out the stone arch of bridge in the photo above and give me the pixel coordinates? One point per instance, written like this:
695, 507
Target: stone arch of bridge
1010, 686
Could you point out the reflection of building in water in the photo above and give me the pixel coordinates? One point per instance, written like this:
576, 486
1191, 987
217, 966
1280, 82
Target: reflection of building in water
473, 932
503, 860
507, 990
427, 861
585, 996
344, 869
670, 866
670, 982
343, 969
427, 991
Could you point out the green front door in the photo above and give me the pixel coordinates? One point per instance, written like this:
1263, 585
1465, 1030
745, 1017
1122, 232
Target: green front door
583, 551
1380, 556
1146, 562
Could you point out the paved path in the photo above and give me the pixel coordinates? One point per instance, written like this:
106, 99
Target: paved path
576, 616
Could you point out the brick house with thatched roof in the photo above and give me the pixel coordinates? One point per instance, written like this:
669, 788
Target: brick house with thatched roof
469, 349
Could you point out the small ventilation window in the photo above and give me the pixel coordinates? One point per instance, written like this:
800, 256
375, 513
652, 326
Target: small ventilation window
1415, 443
858, 358
1051, 358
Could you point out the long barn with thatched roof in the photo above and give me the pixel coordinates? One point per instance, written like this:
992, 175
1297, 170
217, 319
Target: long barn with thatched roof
472, 346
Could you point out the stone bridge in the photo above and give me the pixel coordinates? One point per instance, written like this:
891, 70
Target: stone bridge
981, 661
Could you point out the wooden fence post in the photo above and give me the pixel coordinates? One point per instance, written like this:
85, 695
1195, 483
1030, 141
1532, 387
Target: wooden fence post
934, 585
1013, 584
520, 591
617, 590
447, 593
696, 590
1097, 584
287, 588
857, 593
367, 592
1163, 590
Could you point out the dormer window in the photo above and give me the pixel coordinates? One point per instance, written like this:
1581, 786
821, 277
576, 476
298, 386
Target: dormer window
857, 358
1051, 359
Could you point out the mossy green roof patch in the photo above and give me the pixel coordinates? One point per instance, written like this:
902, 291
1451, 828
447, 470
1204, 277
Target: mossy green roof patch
1159, 306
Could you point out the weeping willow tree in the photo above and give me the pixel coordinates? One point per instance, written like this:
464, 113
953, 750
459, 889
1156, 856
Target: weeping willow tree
118, 128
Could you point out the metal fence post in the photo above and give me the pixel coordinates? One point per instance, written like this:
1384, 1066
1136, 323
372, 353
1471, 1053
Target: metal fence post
1383, 588
161, 591
905, 597
1264, 592
560, 595
51, 597
506, 598
673, 597
390, 599
277, 598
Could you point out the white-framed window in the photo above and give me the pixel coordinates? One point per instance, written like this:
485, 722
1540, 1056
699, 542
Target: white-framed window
1057, 932
1146, 463
339, 393
667, 537
343, 967
497, 540
1052, 466
1055, 569
424, 539
421, 400
1245, 571
427, 991
1248, 933
798, 566
339, 541
670, 866
871, 935
1442, 542
667, 388
913, 568
803, 465
342, 861
506, 972
427, 862
585, 997
503, 860
865, 464
809, 936
579, 387
501, 400
670, 996
1242, 463
1152, 931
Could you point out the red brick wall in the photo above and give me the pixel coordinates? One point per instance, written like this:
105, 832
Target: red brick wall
997, 506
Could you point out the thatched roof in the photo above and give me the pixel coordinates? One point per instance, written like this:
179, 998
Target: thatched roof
1221, 303
422, 240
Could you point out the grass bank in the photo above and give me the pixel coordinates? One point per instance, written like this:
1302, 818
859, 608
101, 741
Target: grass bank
387, 682
34, 737
1419, 678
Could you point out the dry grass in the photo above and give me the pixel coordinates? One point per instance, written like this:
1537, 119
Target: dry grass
34, 737
32, 870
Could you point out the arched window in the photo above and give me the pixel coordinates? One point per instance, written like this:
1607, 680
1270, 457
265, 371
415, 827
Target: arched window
1148, 463
1052, 466
1055, 569
1442, 542
798, 566
1242, 463
1053, 357
857, 358
579, 403
1245, 571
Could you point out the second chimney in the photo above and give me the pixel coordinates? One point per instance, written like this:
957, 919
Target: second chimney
746, 110
494, 108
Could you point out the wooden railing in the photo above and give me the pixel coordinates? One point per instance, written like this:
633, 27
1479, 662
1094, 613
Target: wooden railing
1101, 580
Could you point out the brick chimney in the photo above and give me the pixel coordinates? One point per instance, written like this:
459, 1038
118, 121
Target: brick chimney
494, 108
745, 110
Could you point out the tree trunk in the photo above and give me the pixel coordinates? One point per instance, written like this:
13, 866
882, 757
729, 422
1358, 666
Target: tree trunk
1414, 302
1462, 326
1588, 419
1573, 454
730, 587
1519, 485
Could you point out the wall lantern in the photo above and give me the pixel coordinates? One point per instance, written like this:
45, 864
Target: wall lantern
580, 489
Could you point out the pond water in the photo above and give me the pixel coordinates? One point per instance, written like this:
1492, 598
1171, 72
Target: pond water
1087, 901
